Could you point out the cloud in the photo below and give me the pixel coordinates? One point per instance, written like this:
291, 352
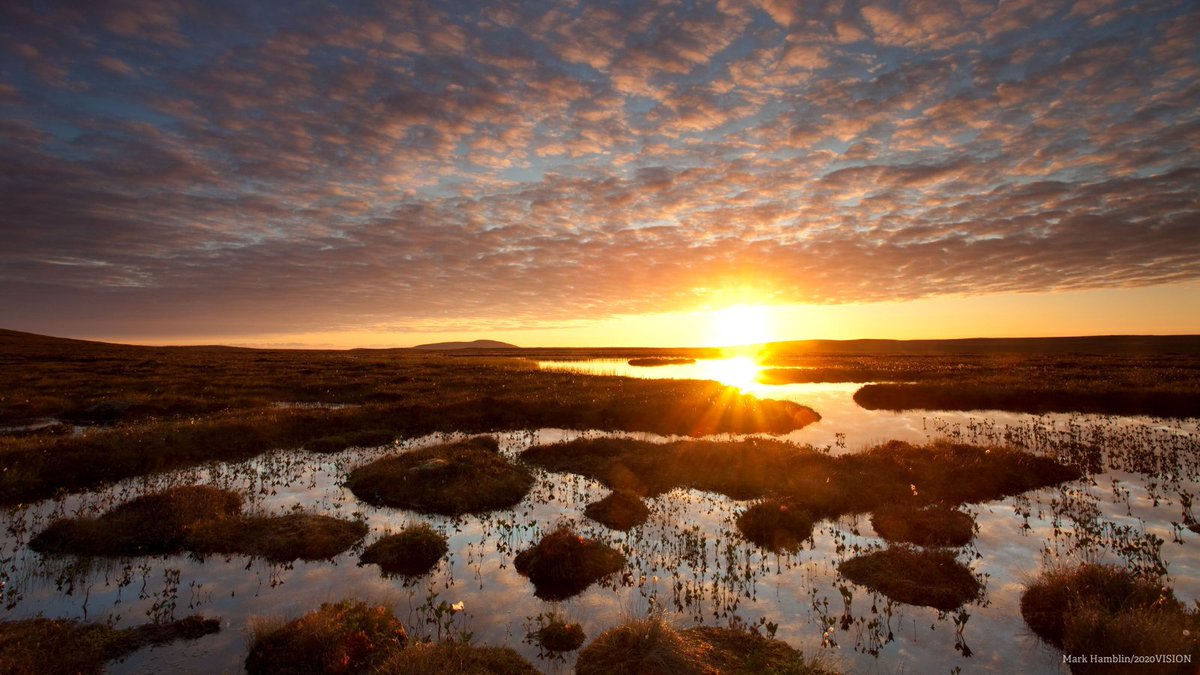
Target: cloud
194, 168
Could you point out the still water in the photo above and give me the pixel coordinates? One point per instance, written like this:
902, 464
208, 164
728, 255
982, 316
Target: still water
688, 560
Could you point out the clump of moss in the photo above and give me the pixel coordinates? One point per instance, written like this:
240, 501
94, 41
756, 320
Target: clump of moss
935, 525
620, 510
1100, 609
556, 634
563, 563
354, 439
776, 525
933, 578
653, 646
413, 551
148, 525
296, 536
453, 479
424, 658
69, 647
350, 636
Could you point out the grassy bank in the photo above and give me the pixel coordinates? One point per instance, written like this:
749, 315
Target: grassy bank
69, 647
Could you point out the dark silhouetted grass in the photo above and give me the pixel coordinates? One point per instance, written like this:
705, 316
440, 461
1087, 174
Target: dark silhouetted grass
468, 476
350, 636
1030, 397
563, 564
651, 361
413, 551
620, 510
426, 658
933, 578
1105, 610
934, 525
653, 647
148, 525
69, 647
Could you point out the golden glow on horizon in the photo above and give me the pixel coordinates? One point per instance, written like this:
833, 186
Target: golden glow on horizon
742, 325
738, 371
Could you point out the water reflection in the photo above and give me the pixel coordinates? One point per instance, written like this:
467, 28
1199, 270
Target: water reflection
687, 558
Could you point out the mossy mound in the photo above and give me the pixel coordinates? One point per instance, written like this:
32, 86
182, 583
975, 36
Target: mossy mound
469, 476
296, 536
148, 525
931, 578
620, 510
69, 647
413, 551
1100, 609
339, 638
653, 647
426, 658
556, 634
563, 564
353, 439
776, 525
934, 525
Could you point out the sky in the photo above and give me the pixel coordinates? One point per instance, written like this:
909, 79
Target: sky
598, 173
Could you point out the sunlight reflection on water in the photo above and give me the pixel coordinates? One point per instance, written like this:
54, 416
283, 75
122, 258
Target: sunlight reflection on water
688, 558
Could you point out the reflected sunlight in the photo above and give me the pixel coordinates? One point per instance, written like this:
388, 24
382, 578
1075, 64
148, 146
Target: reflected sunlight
739, 371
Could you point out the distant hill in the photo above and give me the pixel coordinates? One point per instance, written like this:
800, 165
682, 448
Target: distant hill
474, 344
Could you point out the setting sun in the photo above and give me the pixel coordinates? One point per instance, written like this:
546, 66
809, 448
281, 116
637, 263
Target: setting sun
741, 325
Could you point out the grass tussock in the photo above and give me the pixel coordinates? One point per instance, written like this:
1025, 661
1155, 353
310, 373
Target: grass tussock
295, 536
426, 658
564, 563
177, 407
652, 361
652, 646
353, 439
776, 525
933, 578
70, 647
1100, 609
556, 634
890, 474
152, 524
469, 476
413, 551
350, 636
934, 525
620, 510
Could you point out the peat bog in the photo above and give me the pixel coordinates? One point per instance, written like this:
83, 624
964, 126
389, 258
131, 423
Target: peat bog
633, 507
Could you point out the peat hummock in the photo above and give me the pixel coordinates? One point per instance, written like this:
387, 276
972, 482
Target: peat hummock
776, 525
413, 551
933, 525
453, 479
932, 578
620, 510
350, 636
563, 564
653, 646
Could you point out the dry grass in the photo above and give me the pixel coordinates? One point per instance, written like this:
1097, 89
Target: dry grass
894, 473
426, 658
148, 525
1104, 610
469, 476
295, 536
620, 510
930, 578
350, 636
652, 646
69, 647
563, 564
178, 407
413, 551
934, 525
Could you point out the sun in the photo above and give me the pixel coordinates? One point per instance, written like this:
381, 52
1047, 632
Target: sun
741, 325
